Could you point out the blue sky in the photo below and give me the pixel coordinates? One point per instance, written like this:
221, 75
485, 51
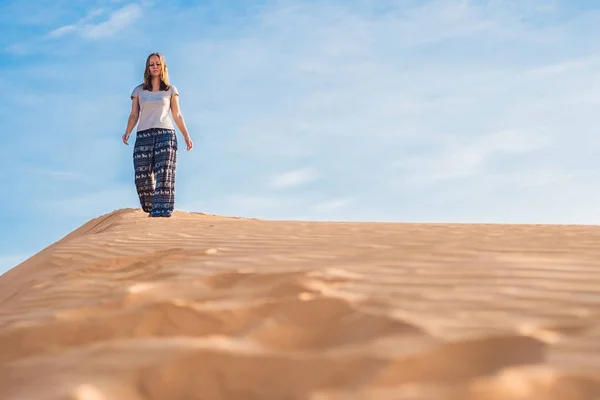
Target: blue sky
387, 110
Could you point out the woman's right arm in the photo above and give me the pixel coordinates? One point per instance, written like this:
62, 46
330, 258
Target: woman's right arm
134, 115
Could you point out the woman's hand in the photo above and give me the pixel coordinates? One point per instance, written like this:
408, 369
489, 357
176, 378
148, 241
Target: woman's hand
189, 143
178, 118
125, 138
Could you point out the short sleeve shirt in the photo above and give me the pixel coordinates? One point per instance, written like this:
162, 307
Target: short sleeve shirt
155, 107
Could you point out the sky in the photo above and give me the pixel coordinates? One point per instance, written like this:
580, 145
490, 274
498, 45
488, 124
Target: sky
355, 110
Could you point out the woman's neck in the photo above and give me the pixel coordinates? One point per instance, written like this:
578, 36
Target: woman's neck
155, 84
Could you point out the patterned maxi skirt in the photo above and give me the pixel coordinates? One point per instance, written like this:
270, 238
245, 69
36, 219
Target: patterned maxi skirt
154, 162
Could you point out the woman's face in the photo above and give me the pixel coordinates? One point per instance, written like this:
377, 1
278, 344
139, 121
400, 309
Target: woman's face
154, 66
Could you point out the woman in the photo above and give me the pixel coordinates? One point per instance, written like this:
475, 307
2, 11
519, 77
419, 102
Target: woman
155, 150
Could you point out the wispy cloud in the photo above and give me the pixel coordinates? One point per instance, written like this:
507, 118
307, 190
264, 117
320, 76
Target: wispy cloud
94, 202
554, 69
62, 31
456, 157
293, 178
97, 23
331, 205
117, 21
110, 25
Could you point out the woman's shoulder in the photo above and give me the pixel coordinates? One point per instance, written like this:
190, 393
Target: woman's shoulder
136, 90
173, 89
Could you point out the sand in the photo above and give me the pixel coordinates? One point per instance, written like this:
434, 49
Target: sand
207, 307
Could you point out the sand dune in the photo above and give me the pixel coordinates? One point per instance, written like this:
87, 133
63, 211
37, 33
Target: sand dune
207, 307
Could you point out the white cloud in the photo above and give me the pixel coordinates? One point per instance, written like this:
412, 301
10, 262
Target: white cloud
258, 205
458, 157
65, 175
293, 178
115, 22
554, 69
62, 31
97, 23
18, 49
331, 205
95, 202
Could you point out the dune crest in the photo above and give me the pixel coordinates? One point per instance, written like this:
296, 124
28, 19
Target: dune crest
201, 306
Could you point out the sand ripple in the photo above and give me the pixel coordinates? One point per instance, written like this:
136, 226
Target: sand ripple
207, 307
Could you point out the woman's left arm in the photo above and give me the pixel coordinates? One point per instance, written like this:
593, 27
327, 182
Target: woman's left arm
179, 121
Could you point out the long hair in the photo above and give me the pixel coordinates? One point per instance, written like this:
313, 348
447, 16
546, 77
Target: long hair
164, 73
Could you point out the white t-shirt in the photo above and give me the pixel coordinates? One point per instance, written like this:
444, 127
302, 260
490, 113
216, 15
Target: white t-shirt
155, 107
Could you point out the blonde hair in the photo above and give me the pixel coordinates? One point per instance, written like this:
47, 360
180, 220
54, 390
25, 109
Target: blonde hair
164, 73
